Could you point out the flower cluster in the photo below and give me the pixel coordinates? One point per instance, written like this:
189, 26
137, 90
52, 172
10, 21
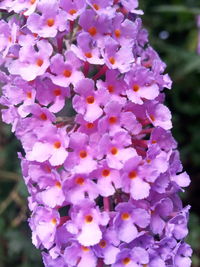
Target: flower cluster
104, 179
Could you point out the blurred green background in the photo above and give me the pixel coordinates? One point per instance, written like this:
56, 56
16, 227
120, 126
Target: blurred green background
173, 33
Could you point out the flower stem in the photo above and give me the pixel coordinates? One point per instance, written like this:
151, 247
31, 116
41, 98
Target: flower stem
106, 203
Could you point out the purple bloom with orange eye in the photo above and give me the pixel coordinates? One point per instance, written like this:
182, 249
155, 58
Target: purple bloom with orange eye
85, 223
86, 127
86, 50
43, 223
132, 179
88, 102
103, 7
159, 115
133, 258
65, 72
51, 95
116, 150
32, 63
116, 57
82, 157
8, 36
156, 162
53, 194
96, 26
39, 113
163, 138
141, 85
73, 8
107, 248
50, 147
124, 31
115, 120
77, 187
127, 221
49, 22
82, 255
108, 179
20, 92
115, 86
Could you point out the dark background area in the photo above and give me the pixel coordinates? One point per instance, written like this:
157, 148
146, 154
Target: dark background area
173, 33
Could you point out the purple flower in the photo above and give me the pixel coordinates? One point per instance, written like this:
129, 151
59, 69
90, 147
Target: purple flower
116, 57
43, 224
86, 222
31, 63
141, 85
83, 90
74, 8
52, 148
88, 102
127, 220
86, 49
65, 72
49, 22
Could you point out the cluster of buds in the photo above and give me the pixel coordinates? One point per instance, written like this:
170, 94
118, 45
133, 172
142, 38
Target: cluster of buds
104, 178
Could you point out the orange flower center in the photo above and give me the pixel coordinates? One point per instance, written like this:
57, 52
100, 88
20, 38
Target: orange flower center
112, 120
32, 2
85, 249
125, 216
88, 218
43, 116
72, 11
35, 35
58, 184
50, 22
88, 55
102, 244
29, 95
57, 144
47, 169
39, 62
83, 154
112, 60
153, 141
57, 92
132, 175
54, 221
117, 33
92, 31
105, 172
126, 260
136, 87
90, 99
90, 125
96, 6
79, 181
67, 73
114, 150
152, 117
110, 88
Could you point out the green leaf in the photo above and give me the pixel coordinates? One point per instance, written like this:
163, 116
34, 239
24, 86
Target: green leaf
177, 9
